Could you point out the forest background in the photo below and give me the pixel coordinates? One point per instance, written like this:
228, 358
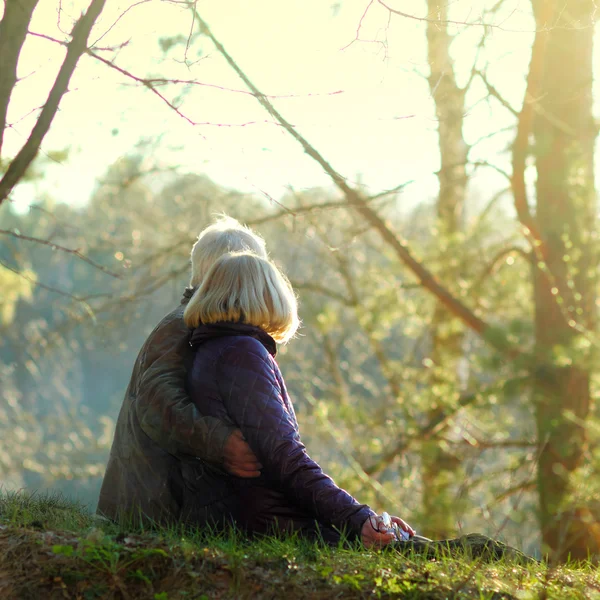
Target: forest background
424, 174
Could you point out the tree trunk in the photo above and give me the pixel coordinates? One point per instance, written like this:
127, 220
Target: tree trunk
564, 132
440, 468
13, 31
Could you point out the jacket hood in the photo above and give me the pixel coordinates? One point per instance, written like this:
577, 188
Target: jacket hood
204, 333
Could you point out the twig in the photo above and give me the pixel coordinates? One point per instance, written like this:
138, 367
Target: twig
324, 291
515, 489
54, 246
496, 94
428, 19
393, 190
491, 266
130, 7
298, 211
43, 285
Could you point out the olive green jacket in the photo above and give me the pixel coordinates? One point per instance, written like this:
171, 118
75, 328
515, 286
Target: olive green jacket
158, 429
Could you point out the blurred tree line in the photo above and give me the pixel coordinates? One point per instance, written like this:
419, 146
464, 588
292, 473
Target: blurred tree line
361, 371
451, 376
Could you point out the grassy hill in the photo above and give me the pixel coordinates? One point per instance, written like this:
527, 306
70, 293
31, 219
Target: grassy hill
52, 548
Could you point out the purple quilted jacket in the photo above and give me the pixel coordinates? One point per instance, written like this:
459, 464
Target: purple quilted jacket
235, 378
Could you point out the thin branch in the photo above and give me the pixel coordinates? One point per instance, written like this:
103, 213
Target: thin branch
489, 165
298, 211
488, 136
391, 191
523, 486
324, 291
43, 285
536, 107
359, 27
491, 445
496, 94
164, 81
151, 85
491, 267
488, 208
76, 47
189, 38
130, 7
427, 19
54, 246
436, 422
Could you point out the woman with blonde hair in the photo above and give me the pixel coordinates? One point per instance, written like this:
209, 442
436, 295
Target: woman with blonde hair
242, 309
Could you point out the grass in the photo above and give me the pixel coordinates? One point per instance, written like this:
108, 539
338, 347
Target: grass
52, 548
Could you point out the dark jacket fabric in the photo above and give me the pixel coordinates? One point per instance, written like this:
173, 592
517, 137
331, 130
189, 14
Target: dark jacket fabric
158, 429
234, 377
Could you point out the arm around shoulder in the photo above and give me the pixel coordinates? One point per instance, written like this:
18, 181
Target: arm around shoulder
164, 408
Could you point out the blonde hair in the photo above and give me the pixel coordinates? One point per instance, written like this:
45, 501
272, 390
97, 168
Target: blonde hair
223, 236
245, 288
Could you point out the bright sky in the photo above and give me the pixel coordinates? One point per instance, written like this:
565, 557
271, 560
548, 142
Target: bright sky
379, 128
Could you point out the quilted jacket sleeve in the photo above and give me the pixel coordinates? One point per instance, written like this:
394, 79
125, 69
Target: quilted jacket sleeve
256, 402
164, 408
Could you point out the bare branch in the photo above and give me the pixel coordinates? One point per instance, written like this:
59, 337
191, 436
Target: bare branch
521, 487
76, 47
494, 444
489, 165
298, 211
163, 81
130, 7
490, 269
151, 84
43, 285
54, 246
359, 27
391, 191
496, 94
324, 291
479, 23
436, 422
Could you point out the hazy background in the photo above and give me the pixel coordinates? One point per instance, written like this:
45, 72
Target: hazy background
128, 179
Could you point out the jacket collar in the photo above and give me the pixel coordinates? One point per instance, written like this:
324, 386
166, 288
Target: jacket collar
203, 333
187, 294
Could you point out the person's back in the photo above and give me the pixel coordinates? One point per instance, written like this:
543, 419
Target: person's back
242, 308
158, 426
143, 476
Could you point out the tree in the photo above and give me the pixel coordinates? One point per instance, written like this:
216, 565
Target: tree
565, 280
441, 467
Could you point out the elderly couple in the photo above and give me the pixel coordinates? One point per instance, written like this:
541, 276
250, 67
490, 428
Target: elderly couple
207, 434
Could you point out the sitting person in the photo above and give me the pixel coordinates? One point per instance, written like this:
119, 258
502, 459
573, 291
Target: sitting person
243, 307
158, 425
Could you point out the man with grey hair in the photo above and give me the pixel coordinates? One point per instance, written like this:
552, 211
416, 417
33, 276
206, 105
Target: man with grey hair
159, 428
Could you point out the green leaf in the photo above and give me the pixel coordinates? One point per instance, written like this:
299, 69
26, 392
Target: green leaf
64, 550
